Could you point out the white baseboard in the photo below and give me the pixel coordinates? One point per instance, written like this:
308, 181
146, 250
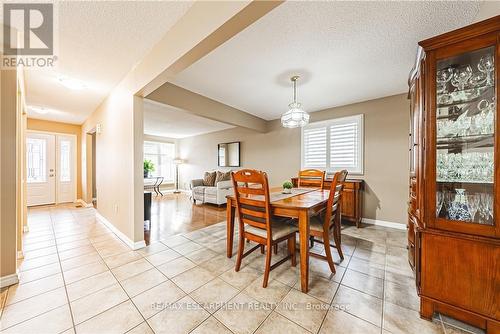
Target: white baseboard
84, 204
9, 280
384, 223
119, 234
26, 229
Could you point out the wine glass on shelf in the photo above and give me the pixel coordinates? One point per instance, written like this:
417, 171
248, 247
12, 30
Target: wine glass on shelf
486, 66
442, 77
485, 116
472, 205
439, 202
477, 79
461, 76
486, 208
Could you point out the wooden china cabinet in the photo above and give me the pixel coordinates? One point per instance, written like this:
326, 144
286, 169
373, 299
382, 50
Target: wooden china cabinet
454, 196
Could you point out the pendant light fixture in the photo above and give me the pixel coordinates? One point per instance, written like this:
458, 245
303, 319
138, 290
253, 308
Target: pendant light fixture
296, 116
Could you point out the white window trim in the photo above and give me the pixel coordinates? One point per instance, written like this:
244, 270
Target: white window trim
327, 123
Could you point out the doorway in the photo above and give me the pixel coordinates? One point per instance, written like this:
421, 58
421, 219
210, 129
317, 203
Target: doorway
94, 169
50, 168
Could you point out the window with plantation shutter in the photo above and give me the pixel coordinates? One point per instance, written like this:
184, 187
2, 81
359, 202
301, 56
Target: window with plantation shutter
315, 147
334, 145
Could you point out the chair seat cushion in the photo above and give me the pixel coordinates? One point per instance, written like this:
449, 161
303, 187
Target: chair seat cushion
280, 228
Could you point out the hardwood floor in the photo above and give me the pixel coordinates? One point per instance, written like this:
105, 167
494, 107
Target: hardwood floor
175, 213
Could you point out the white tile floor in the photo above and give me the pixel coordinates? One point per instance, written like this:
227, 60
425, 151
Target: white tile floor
79, 277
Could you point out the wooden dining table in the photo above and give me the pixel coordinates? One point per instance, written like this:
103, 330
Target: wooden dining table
301, 207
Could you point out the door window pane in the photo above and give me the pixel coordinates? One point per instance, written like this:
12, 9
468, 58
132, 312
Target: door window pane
36, 160
65, 154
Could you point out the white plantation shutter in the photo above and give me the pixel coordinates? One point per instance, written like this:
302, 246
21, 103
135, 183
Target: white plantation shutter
344, 145
315, 147
334, 144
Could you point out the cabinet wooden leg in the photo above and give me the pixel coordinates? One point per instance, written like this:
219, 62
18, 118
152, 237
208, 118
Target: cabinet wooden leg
426, 309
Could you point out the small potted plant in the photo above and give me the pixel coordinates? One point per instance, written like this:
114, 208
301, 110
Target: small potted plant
287, 187
148, 168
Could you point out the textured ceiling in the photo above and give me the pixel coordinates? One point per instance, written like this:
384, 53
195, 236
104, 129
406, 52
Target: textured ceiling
345, 52
167, 121
99, 42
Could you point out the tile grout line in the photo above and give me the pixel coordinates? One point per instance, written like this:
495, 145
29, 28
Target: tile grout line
60, 266
337, 291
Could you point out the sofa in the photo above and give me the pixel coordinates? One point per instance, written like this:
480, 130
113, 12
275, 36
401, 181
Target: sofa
211, 194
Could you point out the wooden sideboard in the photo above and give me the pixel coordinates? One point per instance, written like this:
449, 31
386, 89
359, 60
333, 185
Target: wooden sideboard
352, 199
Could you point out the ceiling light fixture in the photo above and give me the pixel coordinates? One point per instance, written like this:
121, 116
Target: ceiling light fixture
72, 83
296, 116
39, 110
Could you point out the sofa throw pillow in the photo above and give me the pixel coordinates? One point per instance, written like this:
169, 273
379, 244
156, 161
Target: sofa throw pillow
222, 176
209, 179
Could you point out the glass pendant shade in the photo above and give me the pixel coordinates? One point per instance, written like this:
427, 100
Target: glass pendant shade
296, 116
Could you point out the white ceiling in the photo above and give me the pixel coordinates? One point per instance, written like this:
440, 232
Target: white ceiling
345, 51
167, 121
99, 42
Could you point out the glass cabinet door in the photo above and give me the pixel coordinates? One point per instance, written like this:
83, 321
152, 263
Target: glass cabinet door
465, 137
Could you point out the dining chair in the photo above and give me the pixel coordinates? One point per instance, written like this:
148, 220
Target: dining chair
328, 220
311, 178
256, 223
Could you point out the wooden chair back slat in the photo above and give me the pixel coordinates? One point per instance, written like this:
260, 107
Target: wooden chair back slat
250, 212
254, 223
334, 198
311, 178
251, 191
253, 204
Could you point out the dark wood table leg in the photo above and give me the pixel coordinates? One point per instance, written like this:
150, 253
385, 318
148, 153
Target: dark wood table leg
304, 250
230, 210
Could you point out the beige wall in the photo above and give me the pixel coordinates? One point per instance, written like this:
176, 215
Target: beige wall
278, 152
72, 129
8, 171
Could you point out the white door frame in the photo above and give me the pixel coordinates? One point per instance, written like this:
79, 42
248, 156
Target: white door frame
57, 156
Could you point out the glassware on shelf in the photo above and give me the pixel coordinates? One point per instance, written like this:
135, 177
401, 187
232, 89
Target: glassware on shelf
486, 65
461, 76
463, 124
485, 209
472, 167
486, 116
473, 205
442, 78
477, 79
458, 208
465, 136
439, 202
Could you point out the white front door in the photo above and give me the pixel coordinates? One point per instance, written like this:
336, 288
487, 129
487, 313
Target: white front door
66, 169
51, 168
40, 164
